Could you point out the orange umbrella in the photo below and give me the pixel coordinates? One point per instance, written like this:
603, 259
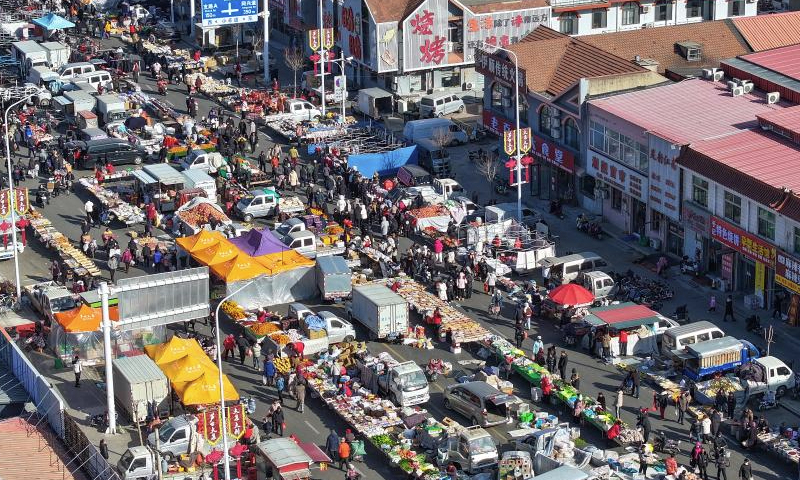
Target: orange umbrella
84, 318
205, 390
175, 349
219, 253
200, 241
189, 368
242, 267
571, 294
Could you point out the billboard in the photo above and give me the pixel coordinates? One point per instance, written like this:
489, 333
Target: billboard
217, 13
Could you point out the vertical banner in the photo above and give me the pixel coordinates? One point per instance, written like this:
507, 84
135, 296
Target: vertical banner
510, 141
525, 140
236, 420
794, 309
327, 38
21, 202
314, 40
211, 426
5, 203
760, 274
727, 269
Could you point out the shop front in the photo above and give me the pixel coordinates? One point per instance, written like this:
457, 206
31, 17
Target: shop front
624, 191
664, 228
696, 238
746, 262
787, 284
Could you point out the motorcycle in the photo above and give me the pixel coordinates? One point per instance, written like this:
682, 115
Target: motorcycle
100, 421
691, 267
42, 197
590, 226
662, 444
768, 401
434, 369
162, 87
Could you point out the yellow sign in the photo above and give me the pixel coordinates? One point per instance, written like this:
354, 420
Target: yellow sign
760, 271
323, 467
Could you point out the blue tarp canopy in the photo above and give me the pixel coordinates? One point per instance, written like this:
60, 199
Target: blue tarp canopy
51, 21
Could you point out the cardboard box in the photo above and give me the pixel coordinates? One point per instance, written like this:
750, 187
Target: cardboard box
315, 334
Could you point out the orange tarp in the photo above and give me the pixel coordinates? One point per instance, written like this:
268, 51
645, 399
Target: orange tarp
222, 252
189, 368
242, 267
205, 390
175, 349
281, 261
200, 241
84, 318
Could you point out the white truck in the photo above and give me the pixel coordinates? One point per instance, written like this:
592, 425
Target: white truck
49, 298
404, 383
306, 243
470, 449
771, 375
297, 110
199, 159
263, 202
442, 190
383, 312
111, 108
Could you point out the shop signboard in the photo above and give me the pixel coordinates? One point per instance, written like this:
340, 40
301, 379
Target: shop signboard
760, 277
494, 66
5, 203
236, 420
426, 34
212, 426
787, 271
726, 269
696, 219
622, 178
745, 243
664, 177
496, 123
545, 150
387, 47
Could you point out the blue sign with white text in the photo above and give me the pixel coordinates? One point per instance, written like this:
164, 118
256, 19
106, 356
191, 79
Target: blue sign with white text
215, 13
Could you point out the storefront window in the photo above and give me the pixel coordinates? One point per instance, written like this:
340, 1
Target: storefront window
693, 8
796, 246
663, 10
588, 184
544, 120
451, 79
655, 220
766, 223
571, 133
733, 207
700, 191
735, 8
618, 147
616, 199
497, 96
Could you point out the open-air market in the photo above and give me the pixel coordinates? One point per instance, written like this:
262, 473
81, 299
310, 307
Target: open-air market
424, 240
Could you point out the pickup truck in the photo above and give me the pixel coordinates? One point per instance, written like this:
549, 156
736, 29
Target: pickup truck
263, 203
49, 298
336, 331
307, 244
141, 463
442, 190
208, 162
774, 376
470, 449
290, 225
297, 110
405, 384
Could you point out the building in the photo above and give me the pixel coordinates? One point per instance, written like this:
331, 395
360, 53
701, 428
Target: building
586, 17
765, 32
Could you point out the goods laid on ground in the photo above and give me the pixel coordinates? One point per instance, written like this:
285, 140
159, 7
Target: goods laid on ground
122, 210
787, 449
73, 258
202, 214
210, 86
429, 211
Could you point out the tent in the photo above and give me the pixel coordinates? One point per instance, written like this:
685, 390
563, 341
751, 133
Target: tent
200, 241
259, 242
276, 263
242, 267
84, 318
52, 22
219, 253
205, 390
189, 368
175, 349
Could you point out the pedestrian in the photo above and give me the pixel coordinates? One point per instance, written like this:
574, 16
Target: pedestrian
575, 379
716, 422
635, 376
344, 453
55, 270
662, 404
683, 405
601, 400
746, 471
113, 264
702, 464
618, 403
537, 345
546, 389
519, 336
731, 404
256, 349
777, 306
643, 461
671, 465
104, 449
723, 462
77, 368
623, 343
228, 345
300, 393
644, 424
243, 345
280, 385
332, 445
728, 309
89, 209
562, 364
278, 419
127, 259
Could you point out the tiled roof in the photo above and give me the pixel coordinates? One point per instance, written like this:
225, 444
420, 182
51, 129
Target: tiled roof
553, 62
24, 454
784, 60
763, 32
718, 40
391, 10
501, 6
688, 111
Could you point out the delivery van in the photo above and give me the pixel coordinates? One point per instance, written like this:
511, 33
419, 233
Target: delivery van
432, 128
433, 158
199, 179
414, 176
440, 104
96, 79
569, 267
70, 70
678, 338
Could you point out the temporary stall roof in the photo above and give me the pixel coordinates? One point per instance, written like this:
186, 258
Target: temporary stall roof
143, 177
51, 21
200, 241
189, 368
175, 349
84, 318
571, 294
284, 452
259, 242
205, 389
222, 252
280, 262
622, 316
165, 174
242, 267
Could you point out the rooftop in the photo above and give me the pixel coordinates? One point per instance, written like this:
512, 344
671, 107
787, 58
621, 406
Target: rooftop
763, 32
553, 62
731, 65
491, 6
391, 11
688, 111
787, 119
717, 40
784, 60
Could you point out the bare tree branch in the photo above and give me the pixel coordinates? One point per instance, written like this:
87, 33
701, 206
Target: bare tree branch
487, 166
294, 59
442, 137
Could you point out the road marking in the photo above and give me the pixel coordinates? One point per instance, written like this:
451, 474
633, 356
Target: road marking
311, 427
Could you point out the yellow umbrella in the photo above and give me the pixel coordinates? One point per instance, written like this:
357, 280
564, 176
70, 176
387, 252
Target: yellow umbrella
205, 390
242, 267
175, 349
189, 368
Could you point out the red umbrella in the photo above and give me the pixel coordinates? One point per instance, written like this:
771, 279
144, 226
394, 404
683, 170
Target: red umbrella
571, 294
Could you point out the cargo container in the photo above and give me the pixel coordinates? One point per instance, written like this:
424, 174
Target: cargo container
383, 312
334, 278
137, 382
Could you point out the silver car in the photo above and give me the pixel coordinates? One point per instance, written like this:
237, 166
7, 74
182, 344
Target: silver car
483, 404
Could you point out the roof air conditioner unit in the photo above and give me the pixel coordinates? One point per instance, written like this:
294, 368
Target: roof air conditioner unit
737, 91
468, 86
646, 9
773, 97
555, 132
707, 73
748, 87
718, 75
732, 85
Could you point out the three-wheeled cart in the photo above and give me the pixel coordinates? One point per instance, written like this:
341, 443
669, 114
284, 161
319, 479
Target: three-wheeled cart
288, 460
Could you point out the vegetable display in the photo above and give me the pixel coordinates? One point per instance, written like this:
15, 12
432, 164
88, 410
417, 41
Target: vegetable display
234, 310
261, 329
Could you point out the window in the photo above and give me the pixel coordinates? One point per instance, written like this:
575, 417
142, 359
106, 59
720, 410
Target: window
700, 191
599, 18
655, 221
568, 23
663, 10
571, 133
735, 8
498, 91
618, 147
694, 8
616, 199
544, 120
733, 207
766, 223
630, 13
796, 240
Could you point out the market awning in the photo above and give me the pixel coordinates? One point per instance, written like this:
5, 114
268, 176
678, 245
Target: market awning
51, 21
143, 177
84, 318
200, 241
283, 452
189, 368
205, 390
257, 242
175, 349
164, 174
276, 263
571, 294
243, 267
222, 252
316, 453
622, 316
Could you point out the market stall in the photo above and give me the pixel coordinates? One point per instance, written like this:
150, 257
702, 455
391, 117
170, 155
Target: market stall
77, 263
160, 183
287, 459
111, 194
200, 212
637, 320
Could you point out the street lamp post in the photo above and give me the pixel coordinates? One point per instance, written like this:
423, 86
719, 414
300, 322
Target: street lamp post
342, 61
518, 133
322, 61
225, 455
11, 196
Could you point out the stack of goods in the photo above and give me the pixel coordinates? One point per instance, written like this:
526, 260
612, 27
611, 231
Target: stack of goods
782, 446
124, 211
706, 391
432, 233
73, 258
261, 330
314, 327
282, 364
162, 108
182, 150
234, 311
202, 214
429, 211
210, 86
463, 328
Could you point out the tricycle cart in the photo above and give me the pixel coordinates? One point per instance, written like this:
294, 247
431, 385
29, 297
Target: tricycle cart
290, 460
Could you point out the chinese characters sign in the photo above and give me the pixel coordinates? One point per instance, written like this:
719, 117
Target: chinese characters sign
748, 245
236, 420
5, 203
21, 203
696, 219
540, 148
495, 67
787, 271
495, 123
211, 425
664, 177
228, 12
622, 178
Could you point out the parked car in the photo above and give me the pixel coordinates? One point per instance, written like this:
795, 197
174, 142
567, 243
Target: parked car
107, 150
440, 104
483, 404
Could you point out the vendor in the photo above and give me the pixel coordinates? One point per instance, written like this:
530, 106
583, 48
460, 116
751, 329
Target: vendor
344, 389
614, 431
261, 314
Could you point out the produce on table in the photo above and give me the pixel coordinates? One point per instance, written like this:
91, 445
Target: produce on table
383, 439
202, 214
283, 365
234, 310
280, 338
261, 329
430, 211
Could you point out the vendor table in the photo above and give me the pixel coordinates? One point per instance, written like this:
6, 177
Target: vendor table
75, 260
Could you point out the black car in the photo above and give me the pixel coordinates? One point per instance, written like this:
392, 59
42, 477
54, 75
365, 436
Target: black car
107, 150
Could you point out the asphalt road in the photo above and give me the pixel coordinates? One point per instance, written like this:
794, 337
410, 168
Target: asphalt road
67, 211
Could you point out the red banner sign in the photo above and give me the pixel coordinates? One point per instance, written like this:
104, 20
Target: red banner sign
327, 38
495, 123
787, 271
546, 150
236, 420
314, 40
494, 66
211, 426
5, 203
745, 243
21, 201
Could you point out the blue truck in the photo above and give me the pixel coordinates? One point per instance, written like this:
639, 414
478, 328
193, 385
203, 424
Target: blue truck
703, 360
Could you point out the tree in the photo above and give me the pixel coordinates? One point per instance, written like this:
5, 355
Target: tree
294, 59
487, 166
442, 137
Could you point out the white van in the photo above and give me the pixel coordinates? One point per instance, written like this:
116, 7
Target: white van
200, 179
69, 71
432, 128
677, 338
569, 267
440, 104
97, 78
